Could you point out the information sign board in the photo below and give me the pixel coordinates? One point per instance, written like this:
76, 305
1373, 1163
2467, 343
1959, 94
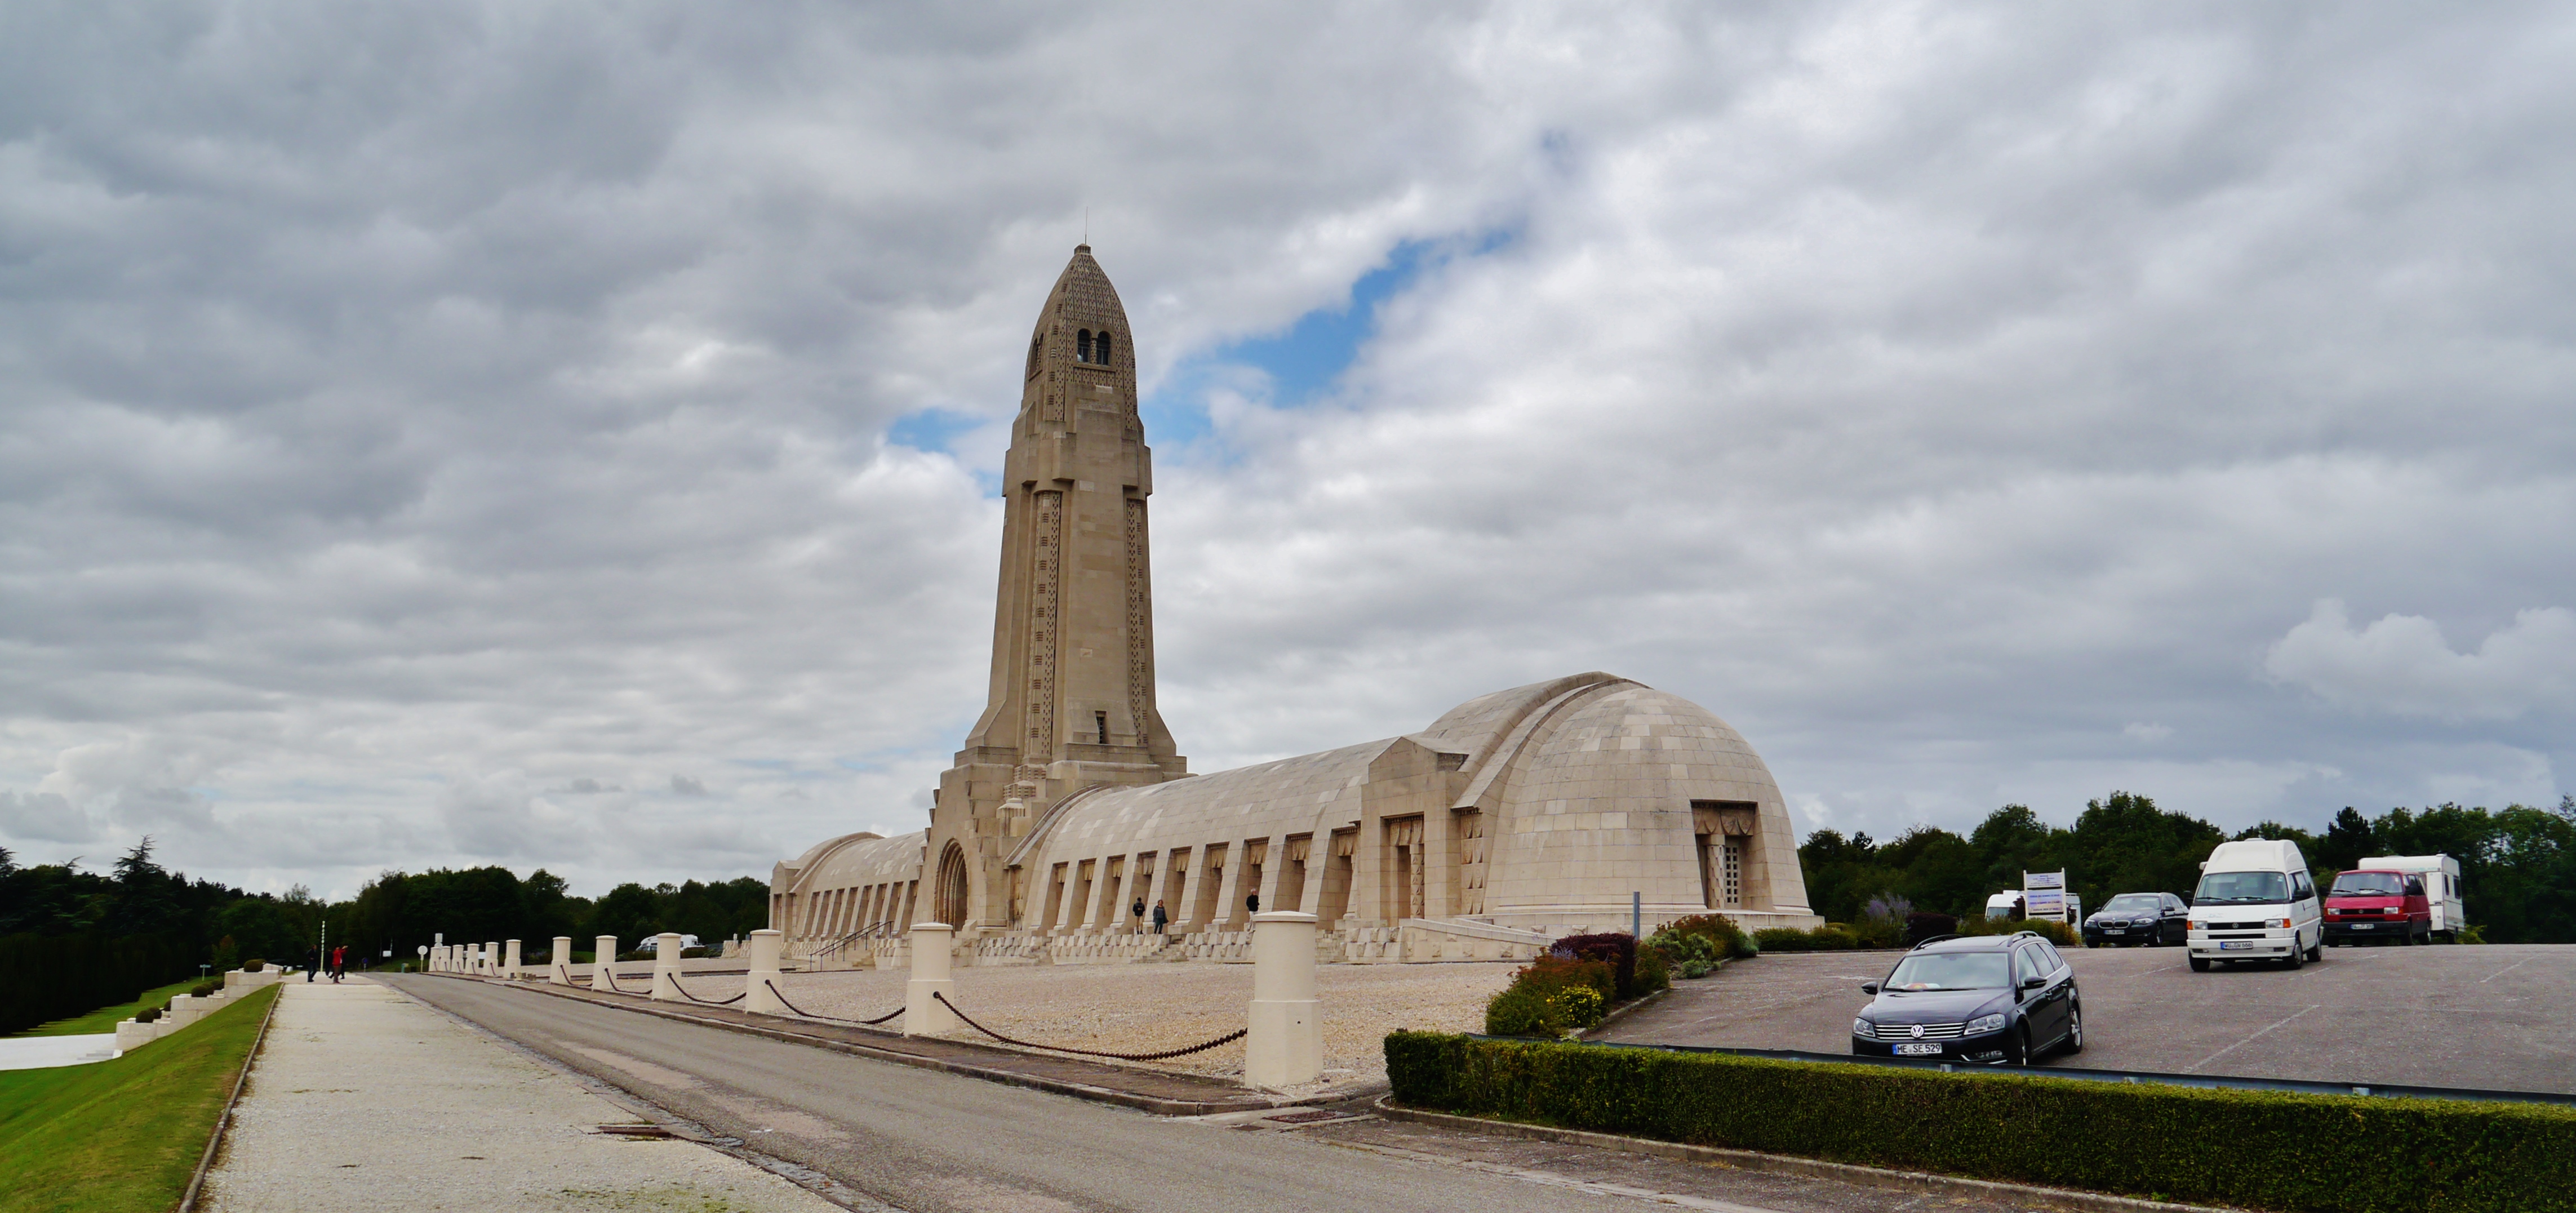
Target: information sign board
2043, 895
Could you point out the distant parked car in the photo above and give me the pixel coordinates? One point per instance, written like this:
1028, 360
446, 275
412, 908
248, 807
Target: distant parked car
1996, 1000
2378, 907
2131, 918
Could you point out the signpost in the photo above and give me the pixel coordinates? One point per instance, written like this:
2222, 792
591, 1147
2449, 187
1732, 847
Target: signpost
2043, 895
424, 952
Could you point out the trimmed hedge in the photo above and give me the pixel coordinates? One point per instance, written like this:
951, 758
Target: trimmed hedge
2274, 1150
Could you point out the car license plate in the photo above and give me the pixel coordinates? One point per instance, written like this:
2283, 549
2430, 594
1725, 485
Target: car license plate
2115, 930
2236, 945
1913, 1050
2361, 926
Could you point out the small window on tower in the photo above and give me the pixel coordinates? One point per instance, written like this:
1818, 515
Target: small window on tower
1082, 346
1101, 720
1037, 351
1100, 349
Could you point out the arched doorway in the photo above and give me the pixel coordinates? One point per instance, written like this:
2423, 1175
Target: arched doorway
951, 902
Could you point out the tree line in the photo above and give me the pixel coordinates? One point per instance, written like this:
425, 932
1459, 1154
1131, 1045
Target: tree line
207, 922
2517, 864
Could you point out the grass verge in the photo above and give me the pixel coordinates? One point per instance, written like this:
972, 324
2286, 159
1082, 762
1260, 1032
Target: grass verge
104, 1019
122, 1136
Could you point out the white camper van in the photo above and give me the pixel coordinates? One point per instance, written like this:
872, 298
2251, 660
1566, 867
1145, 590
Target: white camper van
2441, 875
2256, 901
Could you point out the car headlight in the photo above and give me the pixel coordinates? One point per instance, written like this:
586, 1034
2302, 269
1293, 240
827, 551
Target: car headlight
1986, 1023
2193, 924
1863, 1027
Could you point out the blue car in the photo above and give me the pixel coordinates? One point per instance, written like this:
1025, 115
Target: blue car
1991, 1000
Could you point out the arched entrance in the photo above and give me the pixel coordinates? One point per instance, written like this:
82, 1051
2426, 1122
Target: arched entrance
951, 902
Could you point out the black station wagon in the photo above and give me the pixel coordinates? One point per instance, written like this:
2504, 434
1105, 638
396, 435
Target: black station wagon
1993, 1000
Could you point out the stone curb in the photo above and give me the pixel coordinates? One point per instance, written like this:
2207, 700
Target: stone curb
1008, 1078
1813, 1168
1626, 1009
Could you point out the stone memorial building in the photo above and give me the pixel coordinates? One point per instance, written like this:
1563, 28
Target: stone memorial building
1513, 818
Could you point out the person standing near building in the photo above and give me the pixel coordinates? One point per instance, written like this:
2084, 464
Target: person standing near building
1161, 916
1252, 903
1139, 911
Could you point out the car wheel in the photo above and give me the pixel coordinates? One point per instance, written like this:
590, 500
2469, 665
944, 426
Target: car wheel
2199, 964
2075, 1029
2298, 955
2018, 1052
2318, 952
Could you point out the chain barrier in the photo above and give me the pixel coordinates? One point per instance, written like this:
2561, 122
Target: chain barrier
611, 976
782, 1001
684, 993
1237, 1034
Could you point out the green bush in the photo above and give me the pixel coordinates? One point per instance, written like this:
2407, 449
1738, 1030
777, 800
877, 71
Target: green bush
1695, 944
206, 989
1530, 1006
2473, 934
1831, 937
1879, 932
2261, 1149
1653, 971
1521, 1010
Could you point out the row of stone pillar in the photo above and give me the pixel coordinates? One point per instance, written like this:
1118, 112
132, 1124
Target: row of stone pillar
1283, 1045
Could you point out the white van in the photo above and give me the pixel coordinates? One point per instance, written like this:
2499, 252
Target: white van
2441, 875
2255, 902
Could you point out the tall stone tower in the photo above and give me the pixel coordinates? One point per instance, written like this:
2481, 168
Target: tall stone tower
1072, 697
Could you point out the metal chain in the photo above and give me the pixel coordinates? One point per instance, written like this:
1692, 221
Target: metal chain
1235, 1035
782, 1001
684, 993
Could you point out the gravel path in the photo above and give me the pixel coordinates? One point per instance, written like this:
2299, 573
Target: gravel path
1141, 1008
364, 1099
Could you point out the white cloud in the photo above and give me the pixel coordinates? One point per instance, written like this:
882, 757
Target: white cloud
2401, 664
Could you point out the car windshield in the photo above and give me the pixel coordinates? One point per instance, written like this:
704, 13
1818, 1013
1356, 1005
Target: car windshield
2132, 903
1951, 971
2369, 884
2241, 888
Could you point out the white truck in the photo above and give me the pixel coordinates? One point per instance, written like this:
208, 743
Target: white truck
2256, 901
2441, 875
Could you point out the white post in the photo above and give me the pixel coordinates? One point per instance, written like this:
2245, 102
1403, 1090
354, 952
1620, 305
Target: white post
1285, 1043
922, 1015
559, 966
491, 957
666, 967
603, 953
759, 998
510, 962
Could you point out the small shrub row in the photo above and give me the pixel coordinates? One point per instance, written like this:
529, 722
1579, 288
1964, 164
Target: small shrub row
2258, 1149
1831, 937
1693, 946
1551, 996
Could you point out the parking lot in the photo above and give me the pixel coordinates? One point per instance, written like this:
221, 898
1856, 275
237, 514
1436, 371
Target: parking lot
2500, 1017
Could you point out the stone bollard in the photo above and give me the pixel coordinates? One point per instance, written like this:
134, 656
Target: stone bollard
492, 958
510, 967
758, 998
559, 962
666, 967
603, 954
1285, 1043
922, 1016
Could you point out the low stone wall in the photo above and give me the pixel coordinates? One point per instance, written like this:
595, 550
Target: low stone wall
187, 1009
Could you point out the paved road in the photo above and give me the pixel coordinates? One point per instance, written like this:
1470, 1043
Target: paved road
2500, 1017
928, 1142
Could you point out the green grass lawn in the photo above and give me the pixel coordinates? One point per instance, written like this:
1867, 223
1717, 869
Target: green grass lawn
122, 1135
104, 1019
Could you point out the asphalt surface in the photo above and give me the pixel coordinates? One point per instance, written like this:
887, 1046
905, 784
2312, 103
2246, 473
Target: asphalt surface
2499, 1017
929, 1142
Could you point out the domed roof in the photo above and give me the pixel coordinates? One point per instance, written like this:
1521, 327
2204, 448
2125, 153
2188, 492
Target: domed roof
861, 859
1642, 742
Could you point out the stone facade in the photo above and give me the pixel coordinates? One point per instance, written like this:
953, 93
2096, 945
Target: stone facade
1515, 816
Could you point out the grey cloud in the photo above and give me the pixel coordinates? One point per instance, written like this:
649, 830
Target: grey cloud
45, 816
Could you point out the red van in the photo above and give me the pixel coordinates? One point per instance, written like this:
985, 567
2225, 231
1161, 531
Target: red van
2365, 906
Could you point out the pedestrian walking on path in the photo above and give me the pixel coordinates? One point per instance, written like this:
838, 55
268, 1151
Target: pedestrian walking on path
1161, 916
1139, 910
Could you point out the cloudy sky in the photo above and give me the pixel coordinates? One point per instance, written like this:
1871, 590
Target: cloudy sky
561, 434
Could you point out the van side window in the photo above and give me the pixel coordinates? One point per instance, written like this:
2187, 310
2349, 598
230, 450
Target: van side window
2414, 887
2048, 952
